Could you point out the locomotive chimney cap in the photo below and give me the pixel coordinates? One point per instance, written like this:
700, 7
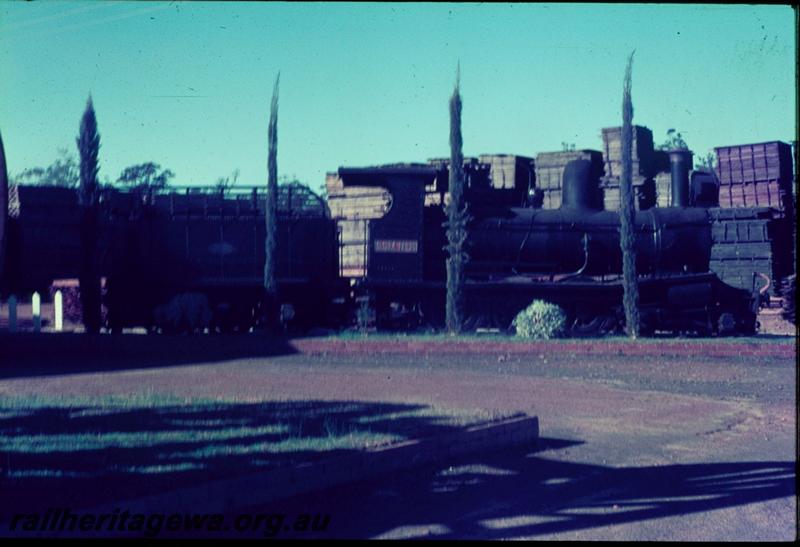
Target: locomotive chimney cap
678, 152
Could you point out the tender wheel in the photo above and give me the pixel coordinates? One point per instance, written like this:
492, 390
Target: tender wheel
726, 324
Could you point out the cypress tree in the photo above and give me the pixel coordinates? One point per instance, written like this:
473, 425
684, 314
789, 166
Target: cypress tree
88, 142
456, 219
271, 214
627, 212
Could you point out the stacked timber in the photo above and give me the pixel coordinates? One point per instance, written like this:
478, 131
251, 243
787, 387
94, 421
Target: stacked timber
756, 175
353, 237
644, 193
659, 161
642, 156
662, 179
442, 163
549, 172
750, 248
476, 177
644, 163
663, 184
475, 171
352, 208
356, 202
703, 188
509, 172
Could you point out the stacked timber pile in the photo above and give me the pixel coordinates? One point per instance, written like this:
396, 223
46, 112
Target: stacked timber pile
644, 192
756, 175
356, 202
761, 175
477, 179
642, 151
663, 184
352, 208
644, 162
703, 188
749, 248
662, 179
509, 172
550, 170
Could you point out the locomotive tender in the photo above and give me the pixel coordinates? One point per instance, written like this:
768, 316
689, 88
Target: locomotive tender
154, 246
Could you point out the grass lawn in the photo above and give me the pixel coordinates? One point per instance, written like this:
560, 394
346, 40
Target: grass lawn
79, 452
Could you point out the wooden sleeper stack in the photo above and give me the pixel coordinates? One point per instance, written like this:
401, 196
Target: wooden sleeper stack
643, 163
755, 175
748, 242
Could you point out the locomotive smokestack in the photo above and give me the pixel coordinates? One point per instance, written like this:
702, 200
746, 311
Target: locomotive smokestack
680, 161
579, 188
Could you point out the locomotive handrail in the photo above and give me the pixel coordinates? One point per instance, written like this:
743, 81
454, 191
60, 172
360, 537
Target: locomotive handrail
522, 245
766, 287
657, 242
577, 273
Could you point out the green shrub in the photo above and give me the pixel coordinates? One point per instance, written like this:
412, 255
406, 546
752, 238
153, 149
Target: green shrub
540, 320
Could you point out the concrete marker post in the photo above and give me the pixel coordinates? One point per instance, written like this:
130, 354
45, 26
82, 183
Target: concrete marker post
58, 311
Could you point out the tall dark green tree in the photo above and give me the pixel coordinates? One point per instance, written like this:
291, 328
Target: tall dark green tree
271, 213
89, 147
456, 219
627, 212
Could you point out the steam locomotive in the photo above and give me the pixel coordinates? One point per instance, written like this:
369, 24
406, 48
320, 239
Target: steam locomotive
570, 256
155, 246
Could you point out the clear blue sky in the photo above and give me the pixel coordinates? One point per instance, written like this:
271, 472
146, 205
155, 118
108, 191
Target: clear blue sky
188, 85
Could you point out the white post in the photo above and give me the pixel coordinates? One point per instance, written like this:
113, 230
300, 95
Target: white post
36, 311
12, 313
58, 311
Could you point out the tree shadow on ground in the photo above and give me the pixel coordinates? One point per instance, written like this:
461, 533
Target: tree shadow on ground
29, 355
520, 494
85, 455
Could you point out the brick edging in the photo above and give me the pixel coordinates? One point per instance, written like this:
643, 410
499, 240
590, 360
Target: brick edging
227, 495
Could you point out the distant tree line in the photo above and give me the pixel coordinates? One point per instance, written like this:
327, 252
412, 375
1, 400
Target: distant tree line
65, 172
